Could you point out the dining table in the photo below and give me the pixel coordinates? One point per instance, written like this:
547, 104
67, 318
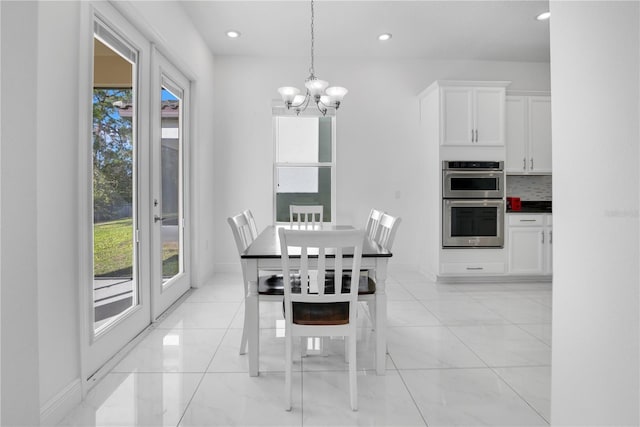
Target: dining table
264, 254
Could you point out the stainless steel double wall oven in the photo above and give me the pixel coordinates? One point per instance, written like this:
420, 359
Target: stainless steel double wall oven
472, 204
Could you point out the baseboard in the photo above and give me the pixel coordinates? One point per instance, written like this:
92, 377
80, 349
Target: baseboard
54, 410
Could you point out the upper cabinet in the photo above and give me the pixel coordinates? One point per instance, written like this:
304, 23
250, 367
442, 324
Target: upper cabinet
473, 114
528, 134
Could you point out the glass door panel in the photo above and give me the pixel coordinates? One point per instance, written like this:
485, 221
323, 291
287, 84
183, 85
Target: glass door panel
170, 272
115, 285
171, 235
113, 259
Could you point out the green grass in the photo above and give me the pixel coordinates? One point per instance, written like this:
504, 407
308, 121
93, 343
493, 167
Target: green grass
113, 250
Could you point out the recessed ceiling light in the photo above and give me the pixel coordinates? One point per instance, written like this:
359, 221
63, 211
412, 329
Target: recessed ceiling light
543, 16
232, 34
384, 37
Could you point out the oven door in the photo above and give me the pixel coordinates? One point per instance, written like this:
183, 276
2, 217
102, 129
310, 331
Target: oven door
472, 184
473, 223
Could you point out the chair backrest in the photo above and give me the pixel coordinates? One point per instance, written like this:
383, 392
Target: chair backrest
252, 222
387, 230
337, 250
305, 216
373, 222
241, 231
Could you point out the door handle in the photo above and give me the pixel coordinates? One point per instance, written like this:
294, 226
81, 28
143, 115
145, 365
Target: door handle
157, 218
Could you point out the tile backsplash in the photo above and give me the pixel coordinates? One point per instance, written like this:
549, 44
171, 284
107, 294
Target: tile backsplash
529, 187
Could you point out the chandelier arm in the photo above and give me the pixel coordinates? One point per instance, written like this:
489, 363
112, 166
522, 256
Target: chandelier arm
337, 104
323, 111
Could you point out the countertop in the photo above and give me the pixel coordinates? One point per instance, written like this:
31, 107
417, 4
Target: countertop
533, 206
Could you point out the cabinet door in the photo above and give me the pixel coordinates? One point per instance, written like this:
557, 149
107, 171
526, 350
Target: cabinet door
456, 115
516, 134
526, 250
540, 134
489, 115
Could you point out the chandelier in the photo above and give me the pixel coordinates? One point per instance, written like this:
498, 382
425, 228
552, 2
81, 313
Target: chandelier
325, 98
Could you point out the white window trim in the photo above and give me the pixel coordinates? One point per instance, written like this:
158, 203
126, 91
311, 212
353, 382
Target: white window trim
282, 112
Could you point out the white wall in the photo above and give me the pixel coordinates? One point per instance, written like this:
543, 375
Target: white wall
20, 373
40, 321
379, 152
57, 126
595, 75
166, 24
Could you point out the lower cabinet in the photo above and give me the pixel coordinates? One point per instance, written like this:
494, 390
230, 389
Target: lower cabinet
530, 240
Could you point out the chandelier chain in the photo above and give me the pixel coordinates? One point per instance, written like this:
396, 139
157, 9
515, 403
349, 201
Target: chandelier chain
311, 69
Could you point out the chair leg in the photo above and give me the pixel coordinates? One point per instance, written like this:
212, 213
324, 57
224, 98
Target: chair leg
288, 370
243, 340
353, 382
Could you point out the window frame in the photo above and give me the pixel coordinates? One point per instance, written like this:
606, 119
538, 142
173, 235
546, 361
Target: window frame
277, 114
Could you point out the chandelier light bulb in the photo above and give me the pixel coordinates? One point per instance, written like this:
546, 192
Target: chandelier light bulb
316, 87
288, 93
336, 93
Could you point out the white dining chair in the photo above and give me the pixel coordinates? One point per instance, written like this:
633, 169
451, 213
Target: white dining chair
304, 216
270, 286
387, 229
313, 309
373, 221
252, 222
384, 236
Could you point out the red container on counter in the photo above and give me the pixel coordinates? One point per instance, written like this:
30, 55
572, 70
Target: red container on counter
514, 204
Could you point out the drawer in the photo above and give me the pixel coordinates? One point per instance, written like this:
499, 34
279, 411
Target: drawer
525, 220
472, 268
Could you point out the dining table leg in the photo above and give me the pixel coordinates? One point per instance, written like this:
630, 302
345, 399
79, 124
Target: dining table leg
253, 317
381, 316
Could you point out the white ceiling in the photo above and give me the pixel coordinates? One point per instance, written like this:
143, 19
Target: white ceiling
503, 30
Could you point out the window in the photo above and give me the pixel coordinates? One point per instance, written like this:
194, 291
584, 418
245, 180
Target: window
304, 164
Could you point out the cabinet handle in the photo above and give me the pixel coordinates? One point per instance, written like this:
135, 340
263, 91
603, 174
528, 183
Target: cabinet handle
550, 236
527, 220
543, 237
524, 163
476, 135
532, 163
472, 140
475, 268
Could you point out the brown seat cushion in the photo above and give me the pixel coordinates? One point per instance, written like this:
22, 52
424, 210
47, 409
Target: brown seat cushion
321, 313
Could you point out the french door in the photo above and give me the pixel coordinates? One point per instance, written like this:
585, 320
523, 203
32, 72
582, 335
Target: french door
134, 258
170, 273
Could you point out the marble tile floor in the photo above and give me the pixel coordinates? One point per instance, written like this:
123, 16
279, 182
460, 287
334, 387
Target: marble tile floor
458, 354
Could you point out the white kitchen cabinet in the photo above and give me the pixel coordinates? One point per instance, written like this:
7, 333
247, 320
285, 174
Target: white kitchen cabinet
528, 134
472, 115
470, 112
530, 239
